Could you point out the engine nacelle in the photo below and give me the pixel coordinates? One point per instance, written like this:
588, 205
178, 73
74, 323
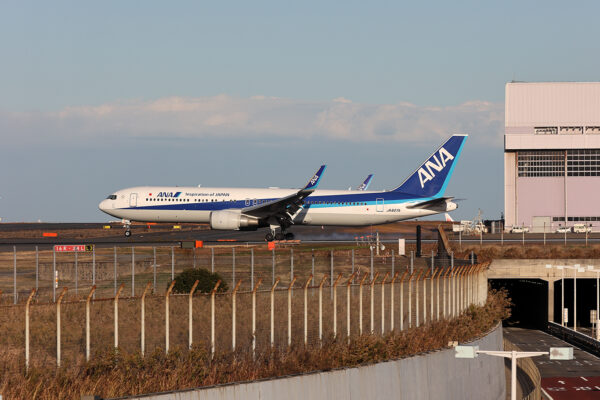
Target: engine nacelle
231, 220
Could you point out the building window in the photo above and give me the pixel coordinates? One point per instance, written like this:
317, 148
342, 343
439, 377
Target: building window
546, 130
583, 162
541, 163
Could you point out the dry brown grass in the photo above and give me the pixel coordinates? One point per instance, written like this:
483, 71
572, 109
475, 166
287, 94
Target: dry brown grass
537, 251
112, 374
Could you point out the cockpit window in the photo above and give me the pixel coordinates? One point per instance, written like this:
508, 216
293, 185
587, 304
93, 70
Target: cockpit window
112, 197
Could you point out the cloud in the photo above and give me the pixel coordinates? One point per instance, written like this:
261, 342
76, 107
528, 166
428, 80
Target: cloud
260, 117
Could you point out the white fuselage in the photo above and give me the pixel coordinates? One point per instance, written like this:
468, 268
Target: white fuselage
322, 207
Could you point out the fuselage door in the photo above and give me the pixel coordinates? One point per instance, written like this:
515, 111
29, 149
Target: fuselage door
133, 200
379, 205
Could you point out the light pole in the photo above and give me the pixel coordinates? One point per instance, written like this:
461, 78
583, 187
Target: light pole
556, 353
597, 271
562, 292
576, 268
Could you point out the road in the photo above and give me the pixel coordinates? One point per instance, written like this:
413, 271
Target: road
576, 379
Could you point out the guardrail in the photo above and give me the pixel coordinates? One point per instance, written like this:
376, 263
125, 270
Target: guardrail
575, 338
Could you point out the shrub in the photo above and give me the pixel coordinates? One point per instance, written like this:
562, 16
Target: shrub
207, 281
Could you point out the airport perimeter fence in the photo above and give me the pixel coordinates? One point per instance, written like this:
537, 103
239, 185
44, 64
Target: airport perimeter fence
49, 271
305, 311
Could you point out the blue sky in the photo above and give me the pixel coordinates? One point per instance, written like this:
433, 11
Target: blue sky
98, 96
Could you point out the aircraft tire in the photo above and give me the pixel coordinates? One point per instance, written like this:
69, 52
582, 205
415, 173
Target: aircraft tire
127, 233
279, 236
289, 236
269, 237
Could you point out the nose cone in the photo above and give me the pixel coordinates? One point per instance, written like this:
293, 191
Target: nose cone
104, 205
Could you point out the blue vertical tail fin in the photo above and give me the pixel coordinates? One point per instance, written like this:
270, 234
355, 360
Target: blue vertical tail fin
432, 177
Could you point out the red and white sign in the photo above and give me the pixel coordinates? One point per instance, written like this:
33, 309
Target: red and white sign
69, 247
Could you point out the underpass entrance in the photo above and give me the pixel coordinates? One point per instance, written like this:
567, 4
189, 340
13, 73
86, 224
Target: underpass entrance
530, 301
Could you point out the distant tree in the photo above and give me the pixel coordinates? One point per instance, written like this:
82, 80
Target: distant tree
207, 281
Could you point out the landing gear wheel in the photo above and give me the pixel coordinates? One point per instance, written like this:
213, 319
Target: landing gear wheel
289, 236
269, 237
127, 233
279, 236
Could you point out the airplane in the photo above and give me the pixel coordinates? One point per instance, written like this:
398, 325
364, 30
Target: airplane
366, 183
420, 195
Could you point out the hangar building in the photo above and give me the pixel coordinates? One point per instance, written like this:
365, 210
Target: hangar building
552, 155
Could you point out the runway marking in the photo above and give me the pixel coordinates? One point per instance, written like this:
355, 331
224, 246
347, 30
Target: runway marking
583, 378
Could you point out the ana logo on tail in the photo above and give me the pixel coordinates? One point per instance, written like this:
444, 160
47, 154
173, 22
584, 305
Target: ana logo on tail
426, 172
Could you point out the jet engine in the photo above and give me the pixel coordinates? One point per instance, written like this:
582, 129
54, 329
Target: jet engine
231, 220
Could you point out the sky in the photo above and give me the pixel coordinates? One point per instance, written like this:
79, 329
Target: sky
99, 96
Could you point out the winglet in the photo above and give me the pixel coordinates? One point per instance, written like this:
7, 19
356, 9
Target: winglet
366, 183
314, 181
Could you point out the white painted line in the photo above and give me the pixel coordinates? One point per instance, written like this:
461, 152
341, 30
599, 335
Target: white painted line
561, 382
583, 378
546, 394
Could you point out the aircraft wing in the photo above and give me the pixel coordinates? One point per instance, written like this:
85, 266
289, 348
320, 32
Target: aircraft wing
286, 206
431, 204
366, 183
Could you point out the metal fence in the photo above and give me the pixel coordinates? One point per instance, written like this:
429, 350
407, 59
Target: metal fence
108, 268
304, 311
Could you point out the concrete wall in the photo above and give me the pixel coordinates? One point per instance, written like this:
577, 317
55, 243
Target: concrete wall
437, 375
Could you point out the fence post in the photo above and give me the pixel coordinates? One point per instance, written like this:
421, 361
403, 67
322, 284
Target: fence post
348, 284
233, 267
437, 283
371, 261
154, 270
233, 312
212, 259
291, 264
27, 328
93, 267
392, 301
53, 274
393, 262
313, 261
273, 266
132, 271
190, 316
417, 298
411, 276
402, 299
321, 308
352, 261
331, 275
306, 309
115, 267
372, 292
64, 291
273, 311
254, 316
252, 267
167, 294
172, 262
383, 302
425, 296
37, 267
15, 274
433, 273
335, 305
360, 304
143, 320
76, 288
212, 319
116, 305
290, 311
87, 322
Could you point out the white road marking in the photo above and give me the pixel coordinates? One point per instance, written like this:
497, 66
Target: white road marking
547, 395
583, 378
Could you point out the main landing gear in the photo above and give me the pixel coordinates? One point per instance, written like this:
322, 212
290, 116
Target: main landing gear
269, 237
